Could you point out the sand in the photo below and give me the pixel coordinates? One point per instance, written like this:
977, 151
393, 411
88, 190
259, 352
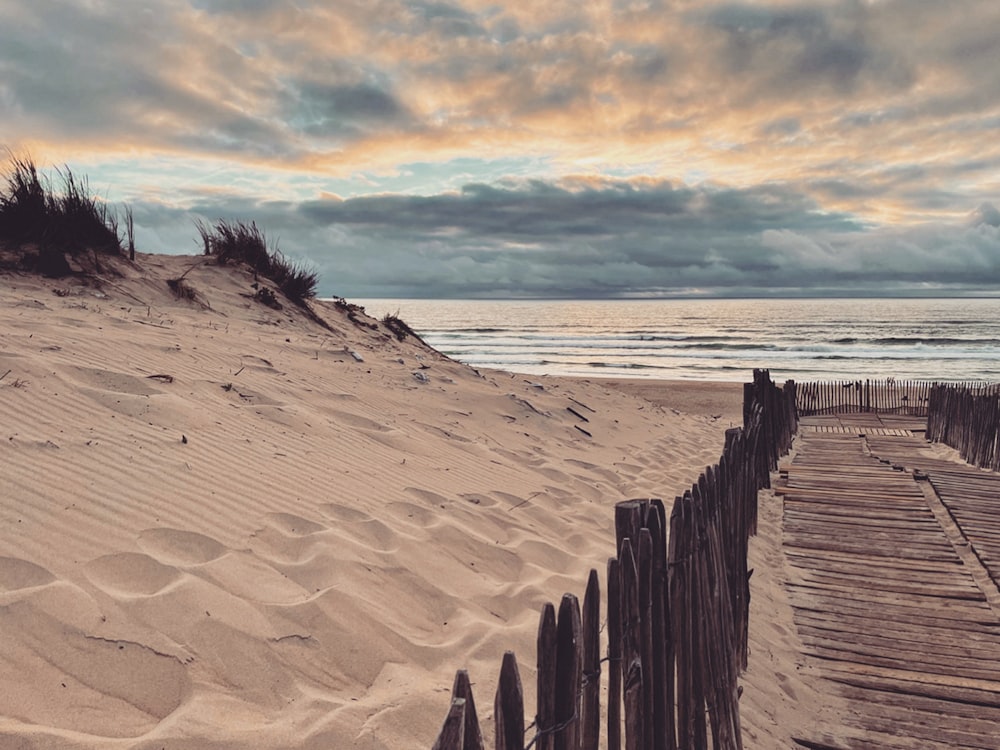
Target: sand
226, 526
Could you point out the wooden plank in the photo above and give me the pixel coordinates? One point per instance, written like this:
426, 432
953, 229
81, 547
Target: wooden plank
931, 708
614, 654
569, 662
939, 574
590, 706
545, 716
472, 735
881, 561
452, 733
950, 591
644, 565
881, 599
902, 682
915, 552
910, 659
679, 557
508, 706
631, 655
917, 641
834, 512
664, 737
817, 600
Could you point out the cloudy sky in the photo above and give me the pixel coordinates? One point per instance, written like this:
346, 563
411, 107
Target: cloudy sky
524, 148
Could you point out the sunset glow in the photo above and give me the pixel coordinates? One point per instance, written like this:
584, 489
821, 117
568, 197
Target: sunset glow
615, 148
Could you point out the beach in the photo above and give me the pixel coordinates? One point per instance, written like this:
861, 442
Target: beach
227, 525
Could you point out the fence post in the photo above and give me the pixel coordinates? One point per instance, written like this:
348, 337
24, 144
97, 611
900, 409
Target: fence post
590, 708
545, 717
568, 672
508, 706
614, 655
453, 732
663, 675
645, 589
473, 736
631, 654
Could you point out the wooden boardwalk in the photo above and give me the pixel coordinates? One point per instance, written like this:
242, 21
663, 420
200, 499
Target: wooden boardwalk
890, 604
971, 495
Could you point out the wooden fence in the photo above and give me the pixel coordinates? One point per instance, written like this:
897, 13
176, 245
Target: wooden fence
847, 396
677, 617
967, 417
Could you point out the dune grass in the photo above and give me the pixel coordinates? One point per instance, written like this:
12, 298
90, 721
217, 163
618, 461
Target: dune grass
47, 221
44, 220
399, 327
239, 242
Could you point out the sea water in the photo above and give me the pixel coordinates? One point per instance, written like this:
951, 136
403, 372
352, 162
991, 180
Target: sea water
802, 339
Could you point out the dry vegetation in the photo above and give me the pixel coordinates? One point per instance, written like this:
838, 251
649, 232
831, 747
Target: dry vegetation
54, 225
48, 222
239, 242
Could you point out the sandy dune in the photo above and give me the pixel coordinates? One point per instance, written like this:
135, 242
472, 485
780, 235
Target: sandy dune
219, 529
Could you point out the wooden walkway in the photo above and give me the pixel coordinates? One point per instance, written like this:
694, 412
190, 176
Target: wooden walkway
890, 603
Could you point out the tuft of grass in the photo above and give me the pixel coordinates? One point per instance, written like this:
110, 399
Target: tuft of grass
236, 242
399, 327
296, 280
182, 289
47, 220
239, 242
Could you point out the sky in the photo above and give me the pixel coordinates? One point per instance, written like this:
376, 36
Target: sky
566, 148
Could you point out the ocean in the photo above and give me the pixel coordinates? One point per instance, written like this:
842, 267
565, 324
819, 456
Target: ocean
802, 339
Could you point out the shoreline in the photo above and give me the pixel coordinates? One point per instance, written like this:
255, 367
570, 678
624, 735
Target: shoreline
712, 398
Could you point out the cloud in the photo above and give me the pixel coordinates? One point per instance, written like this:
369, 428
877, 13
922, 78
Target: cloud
600, 238
986, 214
525, 148
332, 110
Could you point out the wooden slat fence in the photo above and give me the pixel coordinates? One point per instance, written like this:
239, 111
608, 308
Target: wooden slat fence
677, 612
848, 396
967, 417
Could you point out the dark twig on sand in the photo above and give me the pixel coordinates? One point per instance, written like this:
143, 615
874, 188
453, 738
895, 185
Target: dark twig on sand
580, 403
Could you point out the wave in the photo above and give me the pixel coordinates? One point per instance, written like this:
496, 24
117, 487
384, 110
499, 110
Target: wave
814, 340
932, 341
625, 366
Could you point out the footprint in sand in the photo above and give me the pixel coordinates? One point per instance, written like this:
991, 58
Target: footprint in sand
235, 572
343, 513
358, 421
481, 500
178, 547
545, 555
130, 574
116, 382
250, 577
783, 683
360, 528
633, 469
553, 474
511, 501
253, 362
427, 496
411, 513
16, 574
293, 525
